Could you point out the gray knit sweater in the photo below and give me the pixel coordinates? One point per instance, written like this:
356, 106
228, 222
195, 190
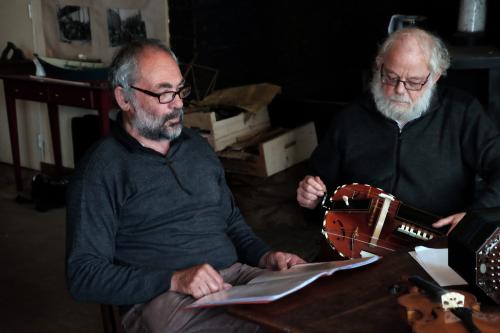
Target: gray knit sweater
135, 216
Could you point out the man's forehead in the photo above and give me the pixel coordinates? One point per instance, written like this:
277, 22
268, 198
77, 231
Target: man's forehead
408, 50
154, 58
170, 85
408, 72
412, 64
159, 69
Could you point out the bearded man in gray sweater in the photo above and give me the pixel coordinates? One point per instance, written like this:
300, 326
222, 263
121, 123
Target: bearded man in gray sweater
152, 224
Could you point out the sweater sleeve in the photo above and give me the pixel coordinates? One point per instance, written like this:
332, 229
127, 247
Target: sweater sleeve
92, 274
249, 247
325, 160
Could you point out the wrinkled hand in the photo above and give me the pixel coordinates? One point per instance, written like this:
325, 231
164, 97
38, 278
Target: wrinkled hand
452, 219
279, 260
198, 281
310, 191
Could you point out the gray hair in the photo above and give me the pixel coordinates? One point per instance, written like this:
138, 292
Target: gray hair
433, 47
123, 69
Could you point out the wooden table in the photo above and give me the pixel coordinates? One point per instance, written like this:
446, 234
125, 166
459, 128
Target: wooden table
53, 92
358, 300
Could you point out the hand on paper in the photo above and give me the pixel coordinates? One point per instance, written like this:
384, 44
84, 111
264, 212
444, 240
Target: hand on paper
452, 219
280, 260
198, 281
310, 191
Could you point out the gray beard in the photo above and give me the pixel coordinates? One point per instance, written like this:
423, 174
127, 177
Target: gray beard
153, 128
401, 115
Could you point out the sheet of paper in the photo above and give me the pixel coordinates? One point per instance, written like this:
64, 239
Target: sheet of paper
435, 263
273, 285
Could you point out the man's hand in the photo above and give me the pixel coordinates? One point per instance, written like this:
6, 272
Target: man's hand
310, 191
452, 219
198, 281
279, 260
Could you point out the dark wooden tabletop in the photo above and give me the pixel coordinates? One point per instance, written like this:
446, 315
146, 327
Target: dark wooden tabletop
359, 300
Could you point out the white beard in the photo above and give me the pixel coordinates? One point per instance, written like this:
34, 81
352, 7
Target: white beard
390, 108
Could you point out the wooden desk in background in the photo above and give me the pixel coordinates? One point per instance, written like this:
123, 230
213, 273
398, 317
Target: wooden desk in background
357, 300
53, 92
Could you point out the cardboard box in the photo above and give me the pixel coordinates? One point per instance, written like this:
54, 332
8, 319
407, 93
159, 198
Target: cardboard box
224, 132
270, 151
226, 116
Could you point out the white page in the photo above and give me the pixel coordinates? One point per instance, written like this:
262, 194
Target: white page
311, 269
435, 263
272, 285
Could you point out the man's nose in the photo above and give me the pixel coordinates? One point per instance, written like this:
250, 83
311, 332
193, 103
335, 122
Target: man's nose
177, 102
400, 88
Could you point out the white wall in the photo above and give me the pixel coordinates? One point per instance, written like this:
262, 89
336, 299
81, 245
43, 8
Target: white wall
33, 124
15, 26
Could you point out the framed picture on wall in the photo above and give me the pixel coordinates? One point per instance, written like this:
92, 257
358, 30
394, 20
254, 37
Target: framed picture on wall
125, 25
94, 29
74, 24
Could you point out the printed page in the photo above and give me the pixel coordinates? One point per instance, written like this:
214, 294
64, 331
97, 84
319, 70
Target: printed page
263, 292
272, 285
311, 269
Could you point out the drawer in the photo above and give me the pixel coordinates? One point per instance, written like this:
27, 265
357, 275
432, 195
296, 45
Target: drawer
72, 96
273, 152
31, 91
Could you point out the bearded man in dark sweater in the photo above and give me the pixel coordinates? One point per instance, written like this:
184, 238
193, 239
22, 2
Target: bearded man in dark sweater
426, 145
152, 224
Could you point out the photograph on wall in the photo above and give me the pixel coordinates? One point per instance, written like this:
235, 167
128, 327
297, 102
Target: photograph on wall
125, 25
74, 24
106, 30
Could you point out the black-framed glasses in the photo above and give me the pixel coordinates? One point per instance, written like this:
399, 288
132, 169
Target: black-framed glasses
166, 96
394, 81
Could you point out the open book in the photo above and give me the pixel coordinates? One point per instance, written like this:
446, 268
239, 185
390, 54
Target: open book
272, 285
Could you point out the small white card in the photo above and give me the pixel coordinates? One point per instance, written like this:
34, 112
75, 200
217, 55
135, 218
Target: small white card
435, 263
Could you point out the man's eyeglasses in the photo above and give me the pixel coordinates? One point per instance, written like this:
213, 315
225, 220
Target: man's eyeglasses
394, 81
167, 96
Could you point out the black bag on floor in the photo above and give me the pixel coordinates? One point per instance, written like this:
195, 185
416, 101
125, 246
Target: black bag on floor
48, 192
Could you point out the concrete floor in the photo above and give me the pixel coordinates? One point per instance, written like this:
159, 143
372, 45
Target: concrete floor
33, 296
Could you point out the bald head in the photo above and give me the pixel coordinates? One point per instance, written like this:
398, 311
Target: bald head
124, 67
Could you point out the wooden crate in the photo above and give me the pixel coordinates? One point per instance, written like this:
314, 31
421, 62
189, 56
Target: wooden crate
224, 132
270, 151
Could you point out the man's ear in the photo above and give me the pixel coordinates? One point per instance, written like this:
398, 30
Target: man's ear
122, 99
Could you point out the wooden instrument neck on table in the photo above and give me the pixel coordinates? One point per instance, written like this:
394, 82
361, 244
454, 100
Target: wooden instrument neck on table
430, 308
